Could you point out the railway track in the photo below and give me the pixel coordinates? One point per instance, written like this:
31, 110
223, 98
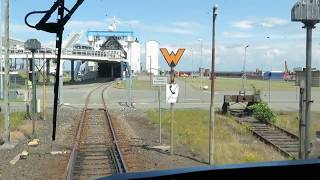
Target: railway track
96, 152
280, 139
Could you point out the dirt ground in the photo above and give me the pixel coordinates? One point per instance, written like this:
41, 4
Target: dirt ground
40, 164
142, 135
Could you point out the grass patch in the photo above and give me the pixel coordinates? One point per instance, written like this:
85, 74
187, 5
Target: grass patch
290, 122
16, 119
233, 143
231, 84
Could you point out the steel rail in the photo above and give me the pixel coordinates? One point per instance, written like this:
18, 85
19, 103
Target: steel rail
268, 141
119, 157
73, 155
116, 155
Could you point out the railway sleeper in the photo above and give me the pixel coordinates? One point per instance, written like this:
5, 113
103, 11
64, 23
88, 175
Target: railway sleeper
89, 163
289, 145
292, 141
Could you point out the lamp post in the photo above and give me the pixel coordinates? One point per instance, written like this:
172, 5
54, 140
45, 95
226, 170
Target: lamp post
33, 45
211, 143
244, 75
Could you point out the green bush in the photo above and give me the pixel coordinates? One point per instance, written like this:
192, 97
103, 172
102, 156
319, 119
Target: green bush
262, 112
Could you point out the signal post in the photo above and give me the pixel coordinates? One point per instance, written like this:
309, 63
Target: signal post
172, 90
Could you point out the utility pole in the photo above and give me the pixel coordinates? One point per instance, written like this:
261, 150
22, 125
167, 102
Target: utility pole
211, 143
6, 74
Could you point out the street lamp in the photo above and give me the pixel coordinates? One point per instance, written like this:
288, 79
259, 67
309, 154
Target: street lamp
244, 74
33, 45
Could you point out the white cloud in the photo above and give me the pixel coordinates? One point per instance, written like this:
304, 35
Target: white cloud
20, 28
239, 35
76, 25
246, 24
272, 21
267, 22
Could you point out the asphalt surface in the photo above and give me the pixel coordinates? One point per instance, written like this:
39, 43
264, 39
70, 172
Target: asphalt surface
189, 97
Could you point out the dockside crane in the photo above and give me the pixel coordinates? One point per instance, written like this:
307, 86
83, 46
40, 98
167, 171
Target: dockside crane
56, 28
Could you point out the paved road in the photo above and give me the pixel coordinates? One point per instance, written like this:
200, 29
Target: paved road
193, 98
74, 95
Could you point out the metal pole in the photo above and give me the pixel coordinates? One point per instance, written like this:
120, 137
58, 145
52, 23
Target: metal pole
61, 83
150, 72
192, 62
159, 98
269, 89
130, 76
27, 88
6, 75
302, 122
171, 115
211, 143
34, 97
72, 70
130, 86
1, 62
185, 87
56, 85
201, 63
244, 70
308, 89
44, 88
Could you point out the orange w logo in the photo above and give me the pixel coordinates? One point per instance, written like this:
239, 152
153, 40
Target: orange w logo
172, 58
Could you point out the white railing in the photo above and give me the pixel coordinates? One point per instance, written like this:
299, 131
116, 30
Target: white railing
109, 54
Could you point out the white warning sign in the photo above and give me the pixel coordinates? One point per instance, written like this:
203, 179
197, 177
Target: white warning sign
172, 93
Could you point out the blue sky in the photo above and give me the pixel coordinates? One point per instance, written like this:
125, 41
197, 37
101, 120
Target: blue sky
180, 23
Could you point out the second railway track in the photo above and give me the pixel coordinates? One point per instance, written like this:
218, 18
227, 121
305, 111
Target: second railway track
96, 151
280, 139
